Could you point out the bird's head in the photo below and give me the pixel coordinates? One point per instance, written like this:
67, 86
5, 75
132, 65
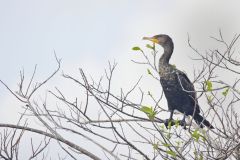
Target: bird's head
161, 39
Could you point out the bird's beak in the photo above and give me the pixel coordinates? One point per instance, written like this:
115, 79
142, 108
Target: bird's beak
154, 40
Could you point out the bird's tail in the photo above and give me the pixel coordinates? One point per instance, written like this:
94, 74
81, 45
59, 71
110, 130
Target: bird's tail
200, 120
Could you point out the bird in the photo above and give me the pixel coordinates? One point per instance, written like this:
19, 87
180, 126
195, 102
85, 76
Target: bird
178, 89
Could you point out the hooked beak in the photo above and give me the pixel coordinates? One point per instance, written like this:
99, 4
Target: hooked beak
154, 40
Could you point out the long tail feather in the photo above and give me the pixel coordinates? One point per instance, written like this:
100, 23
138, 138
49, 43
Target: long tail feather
200, 120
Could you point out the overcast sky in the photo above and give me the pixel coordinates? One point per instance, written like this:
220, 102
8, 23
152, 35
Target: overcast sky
88, 33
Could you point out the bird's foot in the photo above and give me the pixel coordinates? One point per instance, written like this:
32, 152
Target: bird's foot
183, 123
168, 123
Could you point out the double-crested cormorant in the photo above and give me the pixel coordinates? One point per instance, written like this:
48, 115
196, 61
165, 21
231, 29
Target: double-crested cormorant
178, 89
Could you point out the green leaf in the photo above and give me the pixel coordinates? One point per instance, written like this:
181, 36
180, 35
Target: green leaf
168, 135
170, 124
162, 127
171, 153
178, 143
155, 146
152, 116
177, 123
149, 72
198, 156
225, 92
209, 85
149, 46
146, 109
209, 98
196, 135
149, 111
136, 48
166, 145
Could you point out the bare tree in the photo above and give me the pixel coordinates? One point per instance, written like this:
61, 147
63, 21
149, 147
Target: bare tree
123, 128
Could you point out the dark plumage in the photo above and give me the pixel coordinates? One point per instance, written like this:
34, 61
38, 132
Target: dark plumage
178, 89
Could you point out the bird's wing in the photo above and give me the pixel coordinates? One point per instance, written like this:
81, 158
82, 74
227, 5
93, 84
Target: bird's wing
188, 87
186, 84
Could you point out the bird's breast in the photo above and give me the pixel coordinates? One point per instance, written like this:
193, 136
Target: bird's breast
169, 82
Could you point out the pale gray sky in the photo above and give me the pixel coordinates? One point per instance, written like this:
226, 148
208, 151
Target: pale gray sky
88, 33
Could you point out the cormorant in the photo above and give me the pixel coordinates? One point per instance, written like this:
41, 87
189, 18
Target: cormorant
177, 88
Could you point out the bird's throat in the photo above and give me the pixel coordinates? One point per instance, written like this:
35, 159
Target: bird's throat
168, 50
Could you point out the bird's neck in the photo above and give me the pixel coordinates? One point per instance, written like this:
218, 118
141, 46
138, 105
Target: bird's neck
168, 50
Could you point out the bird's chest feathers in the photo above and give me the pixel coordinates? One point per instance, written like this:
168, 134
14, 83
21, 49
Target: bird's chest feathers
167, 72
168, 78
